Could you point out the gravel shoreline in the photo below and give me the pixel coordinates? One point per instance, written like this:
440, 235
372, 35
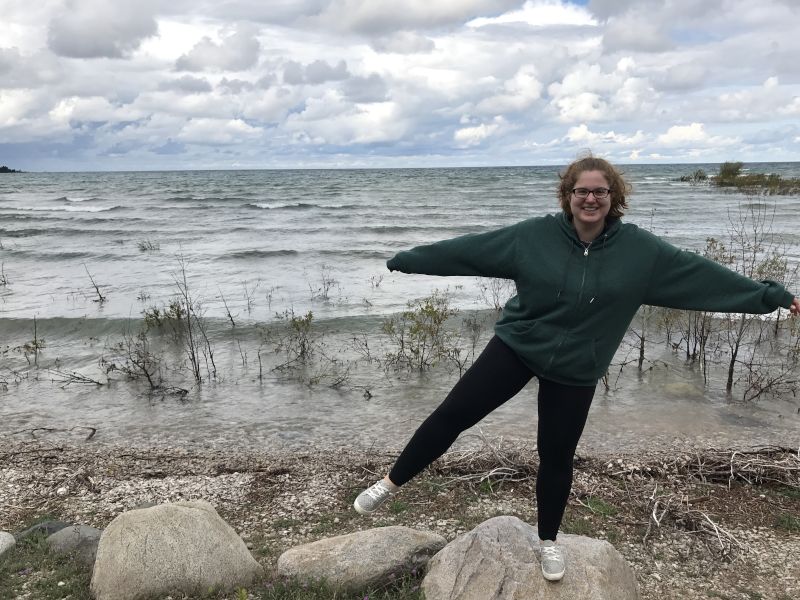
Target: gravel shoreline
282, 498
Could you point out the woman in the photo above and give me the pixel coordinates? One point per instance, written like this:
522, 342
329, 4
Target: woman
581, 276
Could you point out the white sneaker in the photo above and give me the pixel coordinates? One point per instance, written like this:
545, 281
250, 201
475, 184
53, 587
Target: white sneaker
373, 497
552, 558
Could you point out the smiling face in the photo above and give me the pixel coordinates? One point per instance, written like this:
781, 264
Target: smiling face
589, 214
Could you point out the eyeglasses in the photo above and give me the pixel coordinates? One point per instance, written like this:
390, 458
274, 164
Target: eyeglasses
599, 193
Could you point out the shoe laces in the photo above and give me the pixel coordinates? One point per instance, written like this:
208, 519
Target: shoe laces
378, 491
551, 552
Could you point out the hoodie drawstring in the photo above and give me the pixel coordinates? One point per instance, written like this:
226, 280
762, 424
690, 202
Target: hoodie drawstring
597, 279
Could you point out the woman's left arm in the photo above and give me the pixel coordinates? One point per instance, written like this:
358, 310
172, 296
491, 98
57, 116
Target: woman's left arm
685, 280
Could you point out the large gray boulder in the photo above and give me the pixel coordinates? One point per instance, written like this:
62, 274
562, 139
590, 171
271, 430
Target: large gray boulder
359, 560
499, 560
184, 547
81, 540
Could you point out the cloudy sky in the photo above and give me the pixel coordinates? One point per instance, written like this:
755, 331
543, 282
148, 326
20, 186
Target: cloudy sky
154, 84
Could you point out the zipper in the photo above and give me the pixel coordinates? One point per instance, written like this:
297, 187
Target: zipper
583, 277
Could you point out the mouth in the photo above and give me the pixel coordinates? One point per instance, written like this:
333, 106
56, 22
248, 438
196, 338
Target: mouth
590, 209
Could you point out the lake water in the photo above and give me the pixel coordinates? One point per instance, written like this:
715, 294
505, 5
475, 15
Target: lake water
264, 242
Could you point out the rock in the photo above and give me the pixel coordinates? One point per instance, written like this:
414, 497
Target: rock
359, 560
683, 388
180, 547
79, 539
45, 527
498, 560
7, 542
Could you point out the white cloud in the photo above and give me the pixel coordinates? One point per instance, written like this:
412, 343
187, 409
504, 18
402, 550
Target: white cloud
95, 109
695, 136
383, 16
679, 134
792, 109
585, 106
473, 136
330, 119
582, 135
540, 13
218, 131
519, 93
236, 51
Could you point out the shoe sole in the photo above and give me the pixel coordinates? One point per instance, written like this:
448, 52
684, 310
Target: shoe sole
360, 510
553, 576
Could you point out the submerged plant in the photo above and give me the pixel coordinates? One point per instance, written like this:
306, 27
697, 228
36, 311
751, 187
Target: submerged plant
418, 334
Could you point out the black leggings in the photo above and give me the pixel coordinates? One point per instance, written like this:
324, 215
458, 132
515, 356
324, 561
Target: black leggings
495, 377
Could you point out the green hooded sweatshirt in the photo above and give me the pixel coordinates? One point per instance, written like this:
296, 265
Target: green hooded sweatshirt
574, 304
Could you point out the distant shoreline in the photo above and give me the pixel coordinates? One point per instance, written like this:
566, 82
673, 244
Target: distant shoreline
5, 169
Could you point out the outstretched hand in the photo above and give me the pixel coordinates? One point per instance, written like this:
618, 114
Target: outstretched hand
794, 309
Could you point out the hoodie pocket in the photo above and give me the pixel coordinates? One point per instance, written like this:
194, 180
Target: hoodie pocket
574, 358
555, 351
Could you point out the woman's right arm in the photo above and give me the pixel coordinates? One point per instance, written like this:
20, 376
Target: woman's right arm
490, 254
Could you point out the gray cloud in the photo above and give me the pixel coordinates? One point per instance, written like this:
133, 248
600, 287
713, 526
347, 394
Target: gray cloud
635, 31
281, 12
685, 76
315, 73
293, 73
234, 86
100, 29
403, 42
366, 89
319, 72
771, 136
237, 51
187, 83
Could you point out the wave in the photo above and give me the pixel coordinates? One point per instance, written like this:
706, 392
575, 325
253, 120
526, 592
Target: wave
81, 208
244, 254
450, 229
79, 199
63, 255
358, 253
278, 205
299, 206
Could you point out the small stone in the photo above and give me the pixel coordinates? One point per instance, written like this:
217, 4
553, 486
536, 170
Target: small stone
61, 584
656, 576
7, 542
62, 491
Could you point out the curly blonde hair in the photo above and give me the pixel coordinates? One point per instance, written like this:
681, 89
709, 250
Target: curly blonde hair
616, 183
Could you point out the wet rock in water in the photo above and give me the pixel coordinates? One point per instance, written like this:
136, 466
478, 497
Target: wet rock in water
359, 560
683, 388
7, 542
184, 546
81, 540
499, 560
